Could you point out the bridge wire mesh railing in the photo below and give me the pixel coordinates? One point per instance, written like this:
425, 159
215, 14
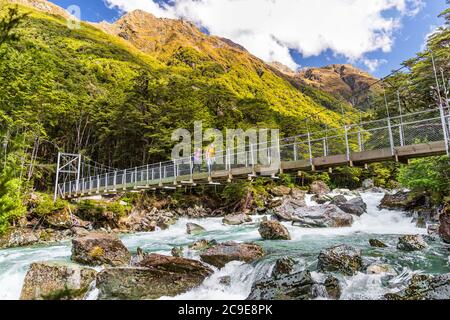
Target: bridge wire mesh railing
405, 130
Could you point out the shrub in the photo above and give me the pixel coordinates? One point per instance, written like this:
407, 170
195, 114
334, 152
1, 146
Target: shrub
46, 206
430, 175
11, 206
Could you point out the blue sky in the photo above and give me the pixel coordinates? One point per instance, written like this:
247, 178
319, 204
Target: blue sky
380, 57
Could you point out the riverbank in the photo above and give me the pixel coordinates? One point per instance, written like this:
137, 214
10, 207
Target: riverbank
236, 279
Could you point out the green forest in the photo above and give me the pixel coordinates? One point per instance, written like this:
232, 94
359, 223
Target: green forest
83, 91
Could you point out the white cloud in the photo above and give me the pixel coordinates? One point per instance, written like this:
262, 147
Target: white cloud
373, 64
271, 28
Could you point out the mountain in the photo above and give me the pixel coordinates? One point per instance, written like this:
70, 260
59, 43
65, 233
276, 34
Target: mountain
341, 80
176, 42
118, 95
42, 5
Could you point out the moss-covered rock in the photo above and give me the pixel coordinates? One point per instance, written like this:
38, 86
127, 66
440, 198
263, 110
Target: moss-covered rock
411, 243
155, 276
424, 287
344, 259
56, 281
98, 249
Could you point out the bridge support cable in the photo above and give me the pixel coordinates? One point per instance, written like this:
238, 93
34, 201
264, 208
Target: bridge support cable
441, 107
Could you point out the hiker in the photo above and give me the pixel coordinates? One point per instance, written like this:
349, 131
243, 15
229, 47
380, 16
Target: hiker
197, 160
209, 156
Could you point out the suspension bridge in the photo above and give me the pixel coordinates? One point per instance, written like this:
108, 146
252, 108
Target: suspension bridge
419, 134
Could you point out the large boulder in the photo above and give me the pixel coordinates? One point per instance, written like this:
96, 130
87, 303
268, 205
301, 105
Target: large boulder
154, 277
224, 253
194, 229
19, 237
287, 207
329, 216
354, 206
411, 243
236, 219
444, 228
338, 200
280, 191
181, 266
375, 243
98, 249
273, 230
403, 200
319, 188
56, 281
343, 258
298, 286
424, 287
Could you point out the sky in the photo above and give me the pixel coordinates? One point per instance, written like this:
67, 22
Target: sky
374, 35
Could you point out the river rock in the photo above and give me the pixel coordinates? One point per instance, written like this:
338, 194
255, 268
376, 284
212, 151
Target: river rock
354, 206
138, 257
143, 220
338, 200
194, 229
298, 286
224, 253
321, 199
444, 229
273, 230
280, 191
368, 184
235, 220
283, 266
177, 252
343, 258
319, 188
380, 268
411, 243
298, 194
202, 244
424, 287
377, 243
333, 287
329, 216
225, 281
98, 249
177, 265
61, 219
56, 281
154, 277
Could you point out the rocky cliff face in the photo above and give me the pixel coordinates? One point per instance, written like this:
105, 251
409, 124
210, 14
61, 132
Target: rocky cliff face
41, 5
162, 37
341, 80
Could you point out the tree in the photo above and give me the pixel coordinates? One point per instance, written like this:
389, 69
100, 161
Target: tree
9, 23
